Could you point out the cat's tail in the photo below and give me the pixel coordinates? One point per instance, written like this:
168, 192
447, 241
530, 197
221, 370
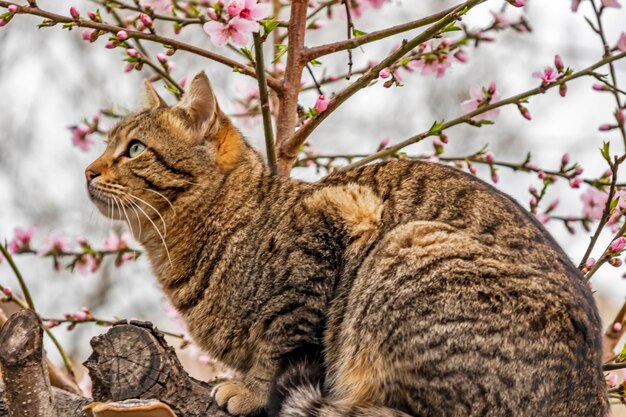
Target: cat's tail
297, 392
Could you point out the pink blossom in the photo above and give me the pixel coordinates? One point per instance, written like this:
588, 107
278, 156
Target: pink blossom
74, 13
524, 112
575, 4
211, 13
162, 58
131, 52
92, 15
565, 159
558, 63
617, 326
21, 239
384, 142
432, 61
461, 56
605, 127
621, 42
145, 19
110, 44
543, 218
248, 10
590, 263
79, 316
548, 76
122, 35
54, 244
114, 242
517, 3
12, 8
3, 22
90, 35
384, 73
477, 100
7, 291
86, 264
602, 87
237, 31
594, 201
611, 379
500, 20
489, 157
321, 104
618, 244
575, 182
81, 138
611, 3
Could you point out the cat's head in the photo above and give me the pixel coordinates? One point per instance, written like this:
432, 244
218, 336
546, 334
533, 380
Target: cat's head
159, 153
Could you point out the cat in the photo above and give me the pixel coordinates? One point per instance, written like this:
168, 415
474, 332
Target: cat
399, 288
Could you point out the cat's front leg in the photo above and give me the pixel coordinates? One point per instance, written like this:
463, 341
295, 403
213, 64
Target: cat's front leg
247, 395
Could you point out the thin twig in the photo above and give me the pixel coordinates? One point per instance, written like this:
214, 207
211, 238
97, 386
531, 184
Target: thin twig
20, 278
493, 105
350, 26
265, 103
317, 84
56, 18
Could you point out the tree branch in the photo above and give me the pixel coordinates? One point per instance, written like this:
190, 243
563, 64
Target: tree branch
56, 18
265, 104
330, 48
288, 112
290, 147
467, 117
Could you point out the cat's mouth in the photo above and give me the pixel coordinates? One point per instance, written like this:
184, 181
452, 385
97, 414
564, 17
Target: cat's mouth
109, 203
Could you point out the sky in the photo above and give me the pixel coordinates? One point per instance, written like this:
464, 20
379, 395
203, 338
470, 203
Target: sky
51, 79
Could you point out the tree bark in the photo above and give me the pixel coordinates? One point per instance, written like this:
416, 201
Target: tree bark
27, 392
131, 360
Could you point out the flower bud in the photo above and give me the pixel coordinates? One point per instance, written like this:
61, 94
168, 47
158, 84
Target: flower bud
122, 35
145, 19
558, 63
74, 13
12, 8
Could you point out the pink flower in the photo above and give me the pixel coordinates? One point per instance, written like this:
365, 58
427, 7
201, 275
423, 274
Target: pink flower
478, 99
122, 35
90, 35
81, 138
594, 201
3, 22
489, 157
12, 8
321, 104
543, 218
621, 42
499, 19
602, 87
145, 19
237, 31
79, 316
558, 63
86, 264
575, 182
548, 76
7, 291
611, 379
517, 3
54, 244
114, 242
21, 239
611, 3
433, 61
74, 13
618, 244
575, 4
461, 56
384, 73
131, 52
565, 159
590, 263
248, 10
617, 326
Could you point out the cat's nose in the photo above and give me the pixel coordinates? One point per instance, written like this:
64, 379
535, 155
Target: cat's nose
91, 173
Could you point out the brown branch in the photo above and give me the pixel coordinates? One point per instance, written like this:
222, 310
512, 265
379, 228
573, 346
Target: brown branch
467, 118
265, 104
288, 112
56, 18
611, 337
289, 148
23, 366
321, 50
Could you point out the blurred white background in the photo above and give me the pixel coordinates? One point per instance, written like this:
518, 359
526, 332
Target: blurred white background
51, 79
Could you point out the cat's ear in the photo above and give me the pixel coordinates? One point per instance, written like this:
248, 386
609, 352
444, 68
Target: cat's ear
200, 104
150, 99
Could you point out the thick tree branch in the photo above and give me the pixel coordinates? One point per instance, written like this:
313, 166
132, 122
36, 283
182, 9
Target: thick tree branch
288, 112
23, 367
330, 48
57, 18
289, 148
268, 129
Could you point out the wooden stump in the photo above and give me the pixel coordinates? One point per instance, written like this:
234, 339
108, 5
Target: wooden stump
27, 387
132, 360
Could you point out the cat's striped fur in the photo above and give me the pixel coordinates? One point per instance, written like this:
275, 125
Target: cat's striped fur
419, 289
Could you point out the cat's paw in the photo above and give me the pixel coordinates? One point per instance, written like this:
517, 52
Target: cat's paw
238, 398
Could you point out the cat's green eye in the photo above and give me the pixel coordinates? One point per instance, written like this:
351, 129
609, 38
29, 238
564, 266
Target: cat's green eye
135, 149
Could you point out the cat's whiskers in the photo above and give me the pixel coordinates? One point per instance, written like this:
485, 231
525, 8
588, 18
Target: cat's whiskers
165, 198
121, 204
153, 225
152, 207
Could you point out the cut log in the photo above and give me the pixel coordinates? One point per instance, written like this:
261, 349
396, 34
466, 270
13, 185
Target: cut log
27, 387
133, 360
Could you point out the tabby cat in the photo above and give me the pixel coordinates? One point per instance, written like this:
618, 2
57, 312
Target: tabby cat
400, 288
